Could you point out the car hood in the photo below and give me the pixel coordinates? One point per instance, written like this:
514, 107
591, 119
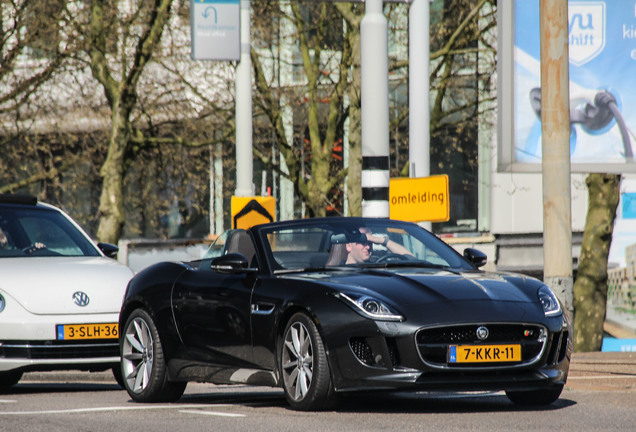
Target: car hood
415, 287
46, 285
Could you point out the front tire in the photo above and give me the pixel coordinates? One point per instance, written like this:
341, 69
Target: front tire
142, 363
304, 366
535, 397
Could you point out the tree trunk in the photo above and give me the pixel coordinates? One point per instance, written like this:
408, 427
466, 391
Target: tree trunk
111, 201
353, 16
122, 99
354, 168
590, 288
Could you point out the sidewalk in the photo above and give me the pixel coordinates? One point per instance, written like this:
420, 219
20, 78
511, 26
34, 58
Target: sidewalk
603, 371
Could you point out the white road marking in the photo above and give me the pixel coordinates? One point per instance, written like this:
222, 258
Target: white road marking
31, 382
627, 376
7, 401
212, 413
107, 409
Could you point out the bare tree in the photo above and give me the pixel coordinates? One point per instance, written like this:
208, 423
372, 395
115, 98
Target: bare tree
153, 119
27, 26
29, 57
142, 27
312, 168
352, 15
590, 287
149, 89
332, 76
463, 61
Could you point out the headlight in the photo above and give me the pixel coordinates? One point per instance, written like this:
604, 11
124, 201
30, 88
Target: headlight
549, 301
371, 307
1, 303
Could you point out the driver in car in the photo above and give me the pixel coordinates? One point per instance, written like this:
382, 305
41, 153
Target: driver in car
4, 241
361, 252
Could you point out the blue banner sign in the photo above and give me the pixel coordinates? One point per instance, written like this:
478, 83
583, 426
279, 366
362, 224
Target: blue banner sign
611, 344
602, 54
628, 205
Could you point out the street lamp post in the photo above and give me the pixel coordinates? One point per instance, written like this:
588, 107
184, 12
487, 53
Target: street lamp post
555, 133
244, 152
375, 110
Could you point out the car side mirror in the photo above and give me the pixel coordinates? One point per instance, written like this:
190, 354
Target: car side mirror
231, 263
476, 257
110, 250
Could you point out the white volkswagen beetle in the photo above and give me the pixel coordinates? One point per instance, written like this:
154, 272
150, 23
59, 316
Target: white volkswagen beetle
60, 294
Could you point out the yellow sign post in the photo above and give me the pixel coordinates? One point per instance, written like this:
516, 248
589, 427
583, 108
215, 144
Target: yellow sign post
419, 199
250, 211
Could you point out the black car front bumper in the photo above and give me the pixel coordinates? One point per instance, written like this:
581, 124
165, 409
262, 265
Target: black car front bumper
397, 356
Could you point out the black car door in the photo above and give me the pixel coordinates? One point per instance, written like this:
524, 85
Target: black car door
267, 299
212, 313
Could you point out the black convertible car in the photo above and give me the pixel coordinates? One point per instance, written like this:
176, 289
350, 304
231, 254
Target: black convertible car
332, 305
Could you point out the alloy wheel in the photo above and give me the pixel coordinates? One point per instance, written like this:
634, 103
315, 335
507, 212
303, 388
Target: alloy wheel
137, 355
297, 361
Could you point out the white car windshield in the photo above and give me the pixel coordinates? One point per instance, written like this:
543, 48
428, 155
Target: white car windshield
40, 232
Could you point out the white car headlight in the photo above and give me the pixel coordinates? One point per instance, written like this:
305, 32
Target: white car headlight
371, 307
549, 301
2, 303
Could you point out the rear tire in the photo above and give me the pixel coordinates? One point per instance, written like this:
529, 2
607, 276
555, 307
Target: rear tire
304, 367
143, 366
535, 397
10, 378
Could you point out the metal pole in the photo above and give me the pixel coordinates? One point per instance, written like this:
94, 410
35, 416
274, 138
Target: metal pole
555, 132
218, 188
419, 110
285, 76
244, 157
212, 216
419, 87
375, 110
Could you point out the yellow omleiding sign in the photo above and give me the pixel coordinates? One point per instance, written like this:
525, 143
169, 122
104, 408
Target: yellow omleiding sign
419, 199
250, 211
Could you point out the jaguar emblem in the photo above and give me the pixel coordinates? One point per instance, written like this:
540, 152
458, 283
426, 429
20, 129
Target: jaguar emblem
482, 333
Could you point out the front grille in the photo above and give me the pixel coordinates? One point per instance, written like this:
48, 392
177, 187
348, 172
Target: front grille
58, 350
433, 343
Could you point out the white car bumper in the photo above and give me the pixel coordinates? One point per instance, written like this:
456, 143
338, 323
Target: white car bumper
34, 344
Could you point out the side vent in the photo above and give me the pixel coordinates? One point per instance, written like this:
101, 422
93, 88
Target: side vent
362, 350
376, 352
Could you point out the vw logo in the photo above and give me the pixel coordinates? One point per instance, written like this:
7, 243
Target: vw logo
81, 298
482, 333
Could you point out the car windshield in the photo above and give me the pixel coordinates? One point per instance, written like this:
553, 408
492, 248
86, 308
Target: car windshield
326, 243
40, 232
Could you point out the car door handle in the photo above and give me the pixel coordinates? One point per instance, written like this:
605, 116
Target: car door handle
262, 308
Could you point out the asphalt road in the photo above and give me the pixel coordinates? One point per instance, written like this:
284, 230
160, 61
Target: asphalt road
600, 396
